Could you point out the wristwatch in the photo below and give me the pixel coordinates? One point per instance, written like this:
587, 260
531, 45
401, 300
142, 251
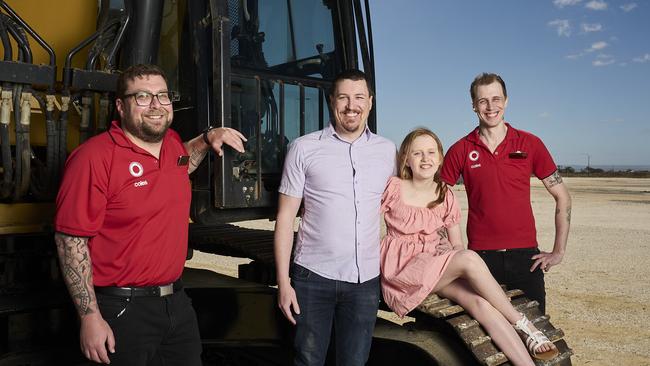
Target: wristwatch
204, 134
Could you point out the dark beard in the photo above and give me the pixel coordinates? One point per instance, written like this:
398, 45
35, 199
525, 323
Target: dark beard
146, 133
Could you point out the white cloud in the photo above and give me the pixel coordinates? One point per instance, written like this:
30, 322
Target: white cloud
628, 7
574, 56
588, 28
562, 3
562, 27
596, 5
597, 46
603, 59
642, 59
599, 63
544, 114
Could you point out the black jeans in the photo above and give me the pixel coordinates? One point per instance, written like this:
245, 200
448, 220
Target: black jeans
512, 268
350, 307
152, 331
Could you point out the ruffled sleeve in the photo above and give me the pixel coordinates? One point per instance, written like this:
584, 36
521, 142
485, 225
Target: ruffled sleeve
391, 194
452, 216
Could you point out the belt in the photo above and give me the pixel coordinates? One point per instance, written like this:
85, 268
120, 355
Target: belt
152, 291
508, 250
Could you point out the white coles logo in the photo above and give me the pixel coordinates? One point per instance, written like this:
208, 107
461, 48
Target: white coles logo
136, 169
473, 155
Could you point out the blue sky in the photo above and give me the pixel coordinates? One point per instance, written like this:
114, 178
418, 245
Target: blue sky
577, 71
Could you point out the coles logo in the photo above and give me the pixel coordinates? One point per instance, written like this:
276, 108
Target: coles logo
136, 169
473, 155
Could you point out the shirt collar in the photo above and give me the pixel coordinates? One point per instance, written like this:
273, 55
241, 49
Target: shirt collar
330, 131
511, 133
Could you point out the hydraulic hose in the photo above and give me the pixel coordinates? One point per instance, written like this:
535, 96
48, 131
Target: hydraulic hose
22, 114
7, 184
43, 178
104, 112
84, 125
63, 132
6, 43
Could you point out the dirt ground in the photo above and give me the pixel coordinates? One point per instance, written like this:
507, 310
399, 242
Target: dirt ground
599, 295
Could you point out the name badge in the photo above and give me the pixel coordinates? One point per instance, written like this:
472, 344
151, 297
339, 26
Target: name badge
183, 160
518, 155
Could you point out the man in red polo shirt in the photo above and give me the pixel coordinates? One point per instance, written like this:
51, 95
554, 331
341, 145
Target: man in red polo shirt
121, 228
496, 162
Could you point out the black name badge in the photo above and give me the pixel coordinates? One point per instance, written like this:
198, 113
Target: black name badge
518, 155
183, 160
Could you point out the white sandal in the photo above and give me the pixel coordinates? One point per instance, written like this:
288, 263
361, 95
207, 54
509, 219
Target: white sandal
534, 340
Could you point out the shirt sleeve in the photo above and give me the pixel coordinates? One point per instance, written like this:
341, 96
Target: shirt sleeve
451, 166
390, 194
452, 216
82, 198
293, 173
543, 164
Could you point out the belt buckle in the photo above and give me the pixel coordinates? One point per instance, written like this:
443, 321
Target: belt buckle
166, 290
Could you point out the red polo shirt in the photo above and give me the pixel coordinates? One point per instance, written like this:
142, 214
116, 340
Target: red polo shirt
133, 207
498, 187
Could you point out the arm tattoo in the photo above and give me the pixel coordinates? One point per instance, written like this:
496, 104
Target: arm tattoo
553, 180
76, 268
196, 157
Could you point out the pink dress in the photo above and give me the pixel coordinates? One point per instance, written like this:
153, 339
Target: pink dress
409, 266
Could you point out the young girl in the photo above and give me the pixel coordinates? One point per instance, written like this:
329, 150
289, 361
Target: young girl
419, 210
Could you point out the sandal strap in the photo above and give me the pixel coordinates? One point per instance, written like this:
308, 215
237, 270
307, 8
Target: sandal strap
534, 340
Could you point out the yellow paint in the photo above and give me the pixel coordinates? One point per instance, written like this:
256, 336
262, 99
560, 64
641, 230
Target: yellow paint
21, 218
63, 24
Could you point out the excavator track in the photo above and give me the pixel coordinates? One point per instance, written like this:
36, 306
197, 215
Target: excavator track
479, 342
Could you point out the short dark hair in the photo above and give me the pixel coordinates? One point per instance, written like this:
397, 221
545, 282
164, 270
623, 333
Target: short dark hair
350, 74
137, 71
486, 79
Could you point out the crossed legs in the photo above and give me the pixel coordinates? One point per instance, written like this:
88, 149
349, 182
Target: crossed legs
468, 282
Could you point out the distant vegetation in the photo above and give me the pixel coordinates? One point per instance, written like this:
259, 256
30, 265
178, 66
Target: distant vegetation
596, 172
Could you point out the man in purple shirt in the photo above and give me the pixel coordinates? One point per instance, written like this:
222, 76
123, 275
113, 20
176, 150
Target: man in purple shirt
340, 172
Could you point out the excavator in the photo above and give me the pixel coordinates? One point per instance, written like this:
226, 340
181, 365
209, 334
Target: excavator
262, 67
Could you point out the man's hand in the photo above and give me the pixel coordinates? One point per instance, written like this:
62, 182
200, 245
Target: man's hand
96, 337
546, 260
224, 135
286, 301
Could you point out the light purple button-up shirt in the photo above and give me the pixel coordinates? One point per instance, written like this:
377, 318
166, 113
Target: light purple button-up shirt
341, 184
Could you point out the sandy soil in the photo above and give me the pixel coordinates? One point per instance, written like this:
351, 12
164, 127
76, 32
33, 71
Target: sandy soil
599, 294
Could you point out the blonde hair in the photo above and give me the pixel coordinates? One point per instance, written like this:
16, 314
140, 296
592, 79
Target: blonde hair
405, 172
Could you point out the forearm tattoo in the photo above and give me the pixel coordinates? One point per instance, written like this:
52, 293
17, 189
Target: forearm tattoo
196, 157
553, 180
77, 271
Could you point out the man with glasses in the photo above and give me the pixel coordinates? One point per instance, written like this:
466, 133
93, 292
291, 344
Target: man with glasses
496, 162
122, 227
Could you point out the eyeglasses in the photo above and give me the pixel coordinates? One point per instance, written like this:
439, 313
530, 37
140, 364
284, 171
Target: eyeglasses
144, 99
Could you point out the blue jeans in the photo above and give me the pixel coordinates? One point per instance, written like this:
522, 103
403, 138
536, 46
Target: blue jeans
350, 307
